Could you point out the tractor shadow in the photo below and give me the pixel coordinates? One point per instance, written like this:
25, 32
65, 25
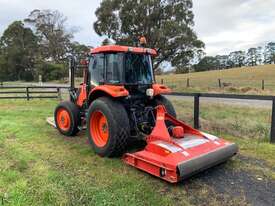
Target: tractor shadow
234, 183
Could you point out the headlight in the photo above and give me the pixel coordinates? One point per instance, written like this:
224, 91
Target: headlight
150, 92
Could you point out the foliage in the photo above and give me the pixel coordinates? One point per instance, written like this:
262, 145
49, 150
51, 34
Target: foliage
53, 37
3, 69
236, 59
269, 53
206, 64
167, 26
79, 51
51, 71
25, 54
18, 47
252, 57
182, 70
106, 42
158, 71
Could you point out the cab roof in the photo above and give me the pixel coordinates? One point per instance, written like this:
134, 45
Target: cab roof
117, 48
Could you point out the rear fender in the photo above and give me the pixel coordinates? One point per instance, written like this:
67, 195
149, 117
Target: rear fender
108, 90
160, 89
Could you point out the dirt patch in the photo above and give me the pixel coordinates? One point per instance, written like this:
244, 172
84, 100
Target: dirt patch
235, 184
255, 161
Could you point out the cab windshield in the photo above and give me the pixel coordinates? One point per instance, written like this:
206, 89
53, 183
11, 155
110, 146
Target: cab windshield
128, 68
138, 69
121, 68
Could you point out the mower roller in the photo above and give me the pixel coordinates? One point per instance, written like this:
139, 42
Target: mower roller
120, 103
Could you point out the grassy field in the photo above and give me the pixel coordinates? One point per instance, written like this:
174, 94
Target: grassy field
38, 166
240, 80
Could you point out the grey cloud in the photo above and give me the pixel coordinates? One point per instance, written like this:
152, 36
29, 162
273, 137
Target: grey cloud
226, 25
80, 15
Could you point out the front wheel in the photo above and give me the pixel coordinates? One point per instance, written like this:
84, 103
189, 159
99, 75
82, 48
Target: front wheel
67, 118
108, 127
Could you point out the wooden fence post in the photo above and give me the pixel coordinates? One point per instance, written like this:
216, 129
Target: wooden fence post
28, 94
59, 93
272, 132
197, 111
220, 83
263, 84
187, 82
161, 81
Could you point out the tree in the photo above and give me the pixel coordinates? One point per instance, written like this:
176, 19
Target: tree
269, 53
182, 70
50, 71
3, 69
222, 61
273, 58
251, 57
159, 71
206, 64
53, 36
259, 55
79, 50
18, 47
106, 42
167, 26
237, 59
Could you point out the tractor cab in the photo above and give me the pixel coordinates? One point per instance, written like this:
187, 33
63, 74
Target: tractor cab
130, 67
117, 65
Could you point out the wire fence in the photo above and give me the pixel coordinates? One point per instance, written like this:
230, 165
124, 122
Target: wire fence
230, 84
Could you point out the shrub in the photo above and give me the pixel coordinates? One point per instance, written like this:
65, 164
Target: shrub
50, 71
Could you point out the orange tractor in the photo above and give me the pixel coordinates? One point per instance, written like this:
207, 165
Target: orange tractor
119, 102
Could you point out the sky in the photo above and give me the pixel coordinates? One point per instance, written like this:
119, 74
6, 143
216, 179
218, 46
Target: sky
223, 25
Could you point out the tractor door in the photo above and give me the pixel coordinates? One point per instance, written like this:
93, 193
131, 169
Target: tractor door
96, 70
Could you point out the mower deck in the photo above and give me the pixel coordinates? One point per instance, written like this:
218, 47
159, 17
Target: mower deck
174, 159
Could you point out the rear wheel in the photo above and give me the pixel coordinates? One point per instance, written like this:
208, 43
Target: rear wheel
108, 127
67, 118
161, 100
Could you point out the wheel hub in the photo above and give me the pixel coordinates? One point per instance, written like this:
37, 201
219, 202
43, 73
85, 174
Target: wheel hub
99, 128
63, 119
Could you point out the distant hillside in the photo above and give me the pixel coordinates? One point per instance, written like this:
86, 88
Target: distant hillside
237, 80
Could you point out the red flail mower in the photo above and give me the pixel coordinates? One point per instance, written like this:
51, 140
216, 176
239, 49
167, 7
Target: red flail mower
121, 105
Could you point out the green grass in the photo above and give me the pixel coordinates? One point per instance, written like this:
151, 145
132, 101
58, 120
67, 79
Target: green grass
38, 166
247, 126
238, 121
242, 80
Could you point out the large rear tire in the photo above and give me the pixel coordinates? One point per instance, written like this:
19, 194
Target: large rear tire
161, 100
108, 127
67, 118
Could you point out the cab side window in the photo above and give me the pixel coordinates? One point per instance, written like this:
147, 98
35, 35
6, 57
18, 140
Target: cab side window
114, 66
96, 69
